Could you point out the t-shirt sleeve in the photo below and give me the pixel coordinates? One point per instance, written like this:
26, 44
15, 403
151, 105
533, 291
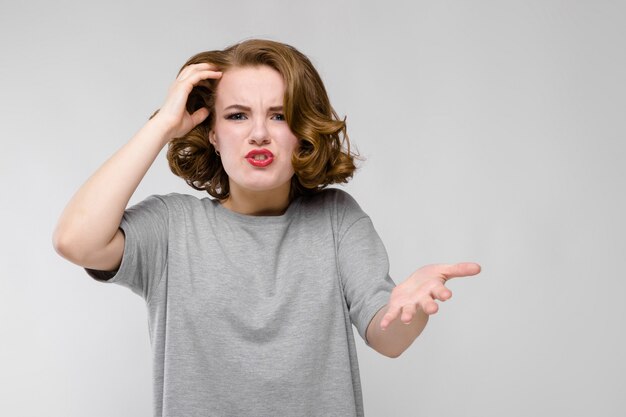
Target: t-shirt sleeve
364, 271
145, 228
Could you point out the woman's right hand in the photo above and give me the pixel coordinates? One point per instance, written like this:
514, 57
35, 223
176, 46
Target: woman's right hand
173, 114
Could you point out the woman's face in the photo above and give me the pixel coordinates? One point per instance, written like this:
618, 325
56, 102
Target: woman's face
249, 121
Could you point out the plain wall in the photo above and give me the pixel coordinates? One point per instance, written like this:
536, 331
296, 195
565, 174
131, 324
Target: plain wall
493, 132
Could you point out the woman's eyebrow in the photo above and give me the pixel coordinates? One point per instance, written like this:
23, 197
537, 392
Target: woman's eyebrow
246, 108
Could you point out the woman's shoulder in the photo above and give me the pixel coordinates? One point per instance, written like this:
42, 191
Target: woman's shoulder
335, 201
182, 198
174, 202
333, 196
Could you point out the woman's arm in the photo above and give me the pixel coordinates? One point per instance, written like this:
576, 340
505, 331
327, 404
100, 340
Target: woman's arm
87, 232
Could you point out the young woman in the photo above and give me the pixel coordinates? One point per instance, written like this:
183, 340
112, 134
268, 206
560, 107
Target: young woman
252, 294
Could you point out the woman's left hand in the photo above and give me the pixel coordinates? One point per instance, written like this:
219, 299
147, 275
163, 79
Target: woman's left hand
422, 288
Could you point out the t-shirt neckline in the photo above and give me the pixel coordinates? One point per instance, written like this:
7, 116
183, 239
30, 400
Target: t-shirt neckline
260, 220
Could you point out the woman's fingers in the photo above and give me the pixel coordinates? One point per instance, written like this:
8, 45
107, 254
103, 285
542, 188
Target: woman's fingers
186, 80
199, 115
174, 110
204, 66
194, 77
442, 293
463, 269
408, 311
184, 85
393, 311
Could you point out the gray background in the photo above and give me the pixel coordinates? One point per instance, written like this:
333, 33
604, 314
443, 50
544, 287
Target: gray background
493, 133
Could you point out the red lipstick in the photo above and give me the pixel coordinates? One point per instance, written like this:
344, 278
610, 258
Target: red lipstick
260, 157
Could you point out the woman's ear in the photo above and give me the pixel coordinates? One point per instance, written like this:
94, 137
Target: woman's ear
213, 141
212, 137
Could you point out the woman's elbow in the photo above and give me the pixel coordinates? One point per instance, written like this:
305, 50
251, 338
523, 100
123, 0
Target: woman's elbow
65, 245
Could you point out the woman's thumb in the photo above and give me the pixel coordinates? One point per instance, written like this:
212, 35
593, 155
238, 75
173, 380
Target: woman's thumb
199, 115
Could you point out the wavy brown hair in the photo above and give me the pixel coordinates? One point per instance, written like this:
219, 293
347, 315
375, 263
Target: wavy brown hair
323, 155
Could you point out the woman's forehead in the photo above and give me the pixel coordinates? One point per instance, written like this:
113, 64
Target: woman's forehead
250, 85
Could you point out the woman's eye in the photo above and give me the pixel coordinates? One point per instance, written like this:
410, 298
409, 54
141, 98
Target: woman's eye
236, 116
279, 116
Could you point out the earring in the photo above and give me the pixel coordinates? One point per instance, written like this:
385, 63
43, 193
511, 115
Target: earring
217, 153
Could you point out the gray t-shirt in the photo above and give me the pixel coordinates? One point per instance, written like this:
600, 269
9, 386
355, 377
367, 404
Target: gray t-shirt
252, 315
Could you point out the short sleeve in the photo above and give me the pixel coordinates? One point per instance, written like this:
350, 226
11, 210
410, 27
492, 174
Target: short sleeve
364, 271
145, 228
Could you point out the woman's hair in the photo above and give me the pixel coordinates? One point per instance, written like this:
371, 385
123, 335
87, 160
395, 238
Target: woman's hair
323, 154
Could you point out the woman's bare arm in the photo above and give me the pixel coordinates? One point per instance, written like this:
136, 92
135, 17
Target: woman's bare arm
87, 232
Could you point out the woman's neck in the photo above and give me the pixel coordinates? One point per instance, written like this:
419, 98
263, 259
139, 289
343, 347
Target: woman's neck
257, 203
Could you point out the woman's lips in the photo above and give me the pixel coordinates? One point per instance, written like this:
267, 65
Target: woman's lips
260, 157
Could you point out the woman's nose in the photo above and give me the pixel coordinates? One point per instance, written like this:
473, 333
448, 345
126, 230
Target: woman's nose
259, 134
